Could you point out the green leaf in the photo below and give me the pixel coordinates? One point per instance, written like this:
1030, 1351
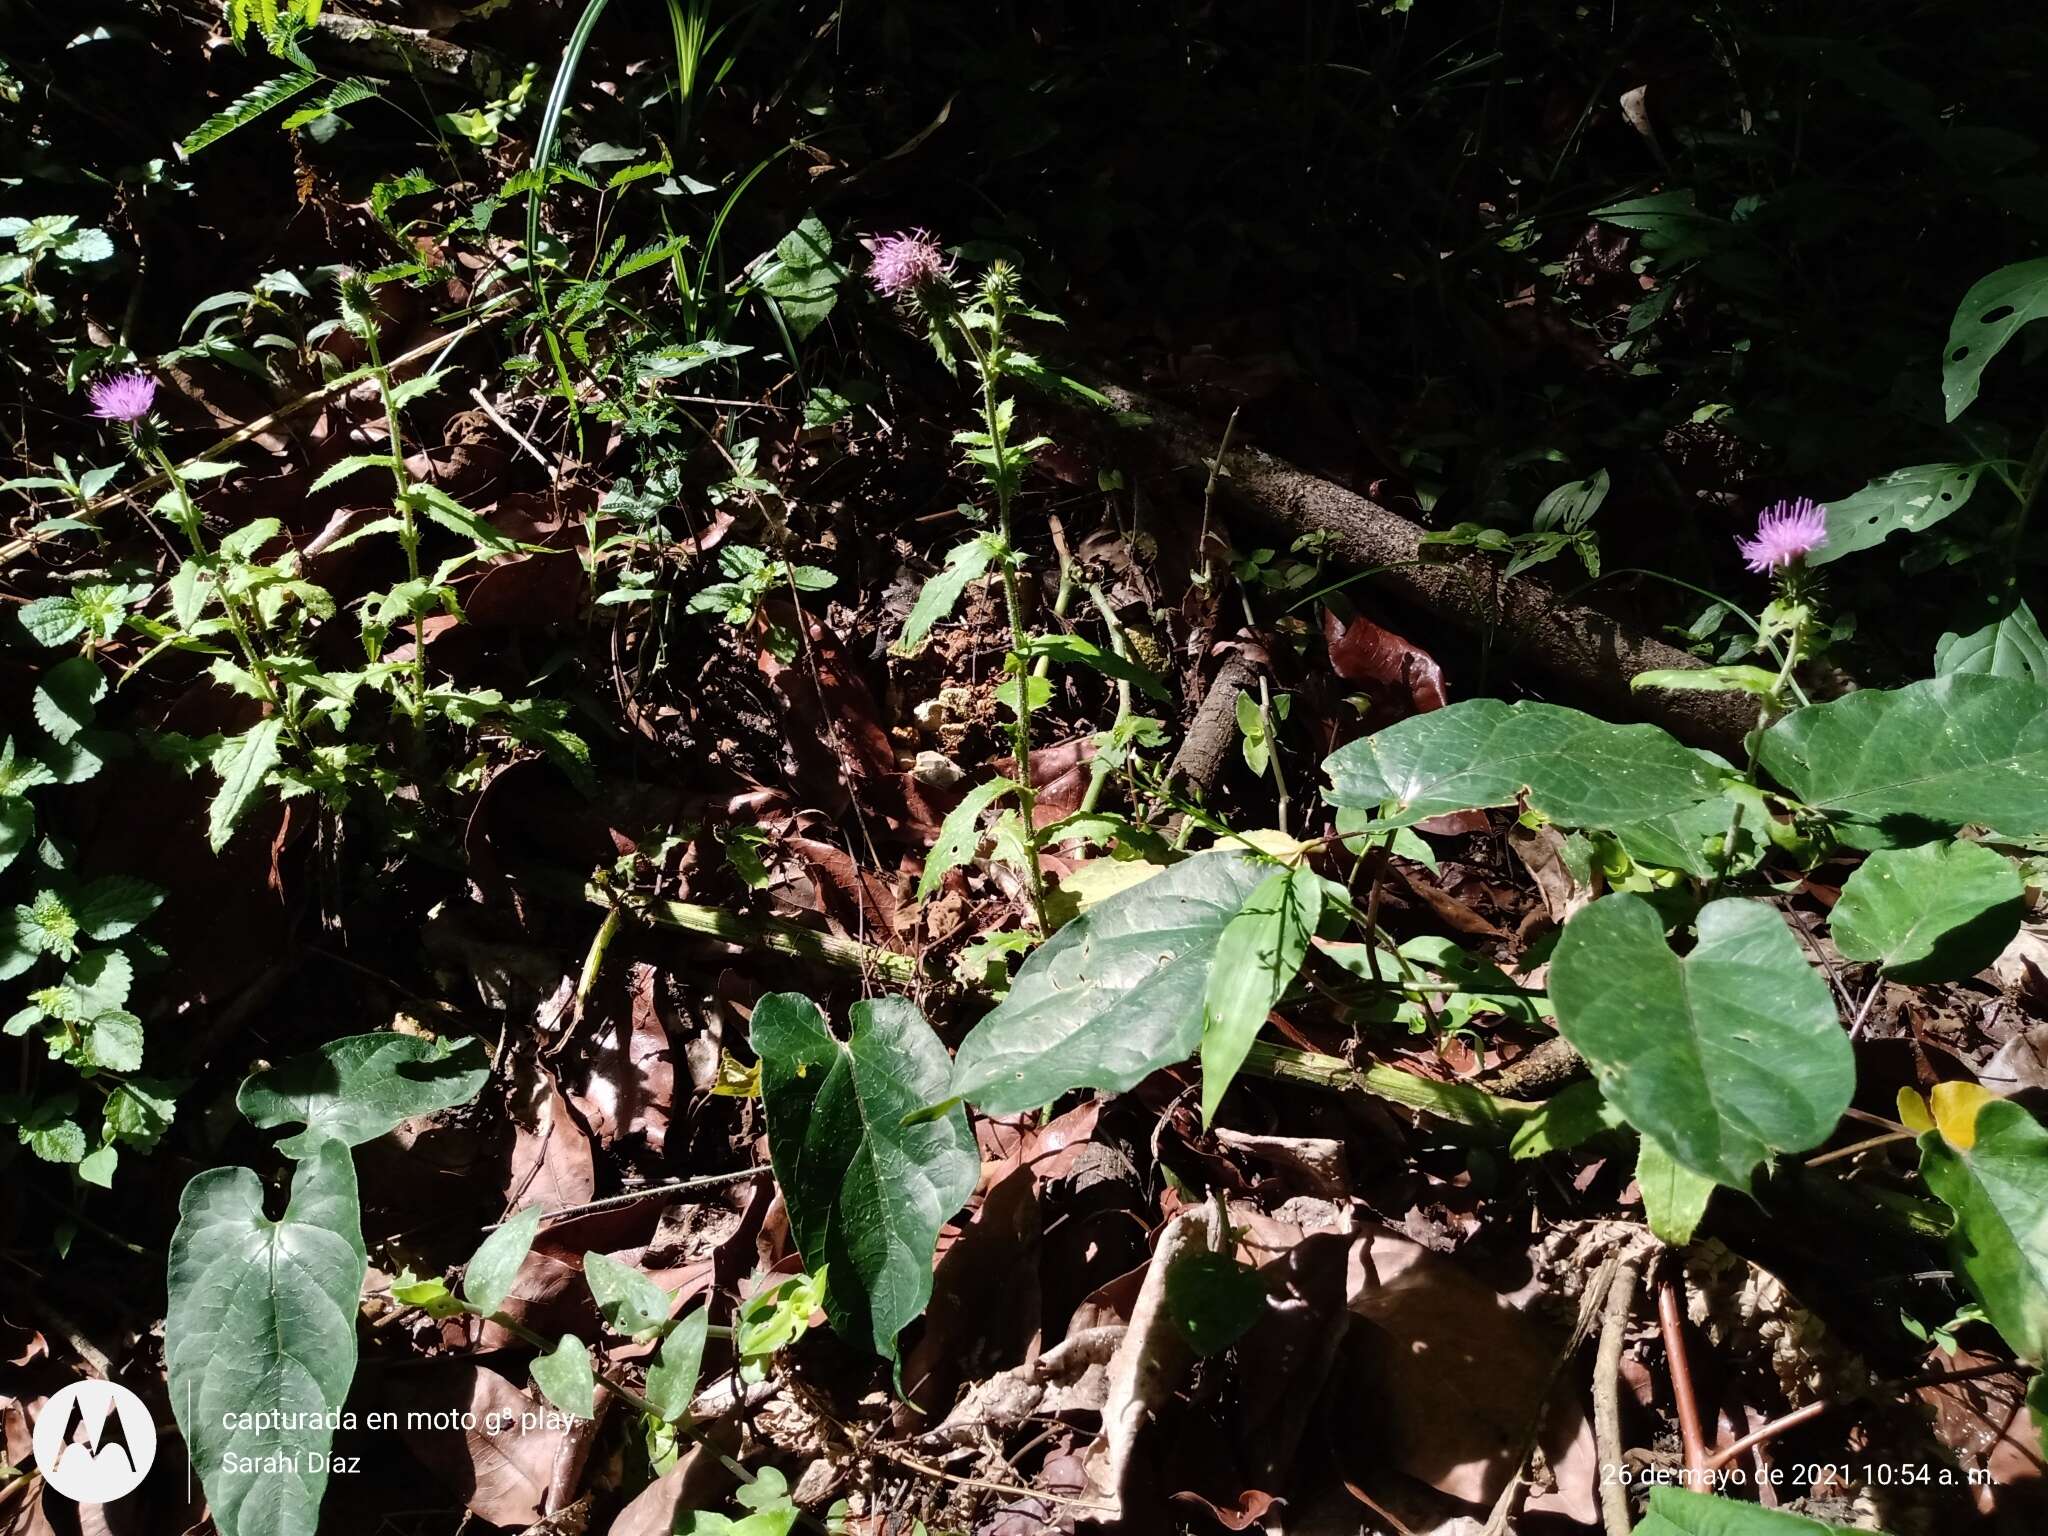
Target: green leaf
1576, 770
964, 564
242, 763
1913, 499
65, 695
140, 1111
487, 1280
1214, 1300
1937, 913
1674, 1197
867, 1193
960, 834
1072, 650
1575, 1113
113, 1042
1725, 1056
262, 1322
98, 982
246, 109
1990, 315
52, 620
341, 469
1114, 995
1251, 730
1988, 1162
115, 905
98, 1165
1678, 1512
2010, 645
17, 829
672, 1379
627, 1299
565, 1375
1257, 957
1707, 680
357, 1088
1904, 765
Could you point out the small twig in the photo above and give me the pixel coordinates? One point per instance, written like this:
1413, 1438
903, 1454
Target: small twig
1861, 1146
1810, 1411
1863, 1012
649, 1192
1209, 493
1670, 1320
517, 436
1621, 1299
1014, 1490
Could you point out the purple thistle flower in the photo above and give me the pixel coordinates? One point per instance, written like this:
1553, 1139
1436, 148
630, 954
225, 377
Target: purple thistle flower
899, 265
1785, 535
124, 397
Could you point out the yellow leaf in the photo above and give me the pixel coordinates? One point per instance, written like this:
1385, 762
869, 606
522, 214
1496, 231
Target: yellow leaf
1913, 1112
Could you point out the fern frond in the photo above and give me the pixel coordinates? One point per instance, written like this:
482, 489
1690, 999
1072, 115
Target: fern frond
346, 94
246, 109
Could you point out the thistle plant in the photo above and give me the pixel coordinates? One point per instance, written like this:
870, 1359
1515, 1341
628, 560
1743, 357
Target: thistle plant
1786, 534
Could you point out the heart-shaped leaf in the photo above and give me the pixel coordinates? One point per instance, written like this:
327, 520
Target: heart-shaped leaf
1936, 913
1987, 1159
867, 1193
1576, 770
627, 1299
1990, 315
1257, 956
357, 1088
672, 1379
1905, 765
1114, 995
488, 1279
261, 1333
1725, 1056
566, 1377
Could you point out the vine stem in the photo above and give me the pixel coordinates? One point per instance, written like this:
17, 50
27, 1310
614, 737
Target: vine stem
409, 533
1683, 1399
1098, 767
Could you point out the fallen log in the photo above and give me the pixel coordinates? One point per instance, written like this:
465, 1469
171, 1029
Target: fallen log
1584, 653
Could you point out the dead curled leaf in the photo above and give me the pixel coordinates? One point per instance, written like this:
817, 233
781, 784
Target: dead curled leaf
1401, 676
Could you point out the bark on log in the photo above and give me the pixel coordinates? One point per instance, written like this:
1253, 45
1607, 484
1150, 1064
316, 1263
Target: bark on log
1586, 653
1213, 732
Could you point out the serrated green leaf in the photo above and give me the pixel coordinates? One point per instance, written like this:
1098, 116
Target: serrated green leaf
1072, 650
114, 905
1904, 765
1114, 995
242, 762
495, 1264
1991, 314
1936, 913
867, 1193
357, 1088
98, 982
1727, 1055
1258, 955
565, 1375
1576, 770
52, 620
139, 1111
626, 1299
341, 469
17, 829
65, 696
262, 1322
1989, 1165
672, 1379
112, 1042
1913, 499
960, 834
965, 563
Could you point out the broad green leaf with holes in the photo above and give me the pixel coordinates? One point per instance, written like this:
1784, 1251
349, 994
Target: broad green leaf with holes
495, 1264
867, 1193
1727, 1055
1912, 499
1935, 913
1575, 770
1901, 766
2009, 645
262, 1322
1987, 1159
357, 1088
960, 834
1991, 314
1257, 956
1679, 1512
1114, 995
